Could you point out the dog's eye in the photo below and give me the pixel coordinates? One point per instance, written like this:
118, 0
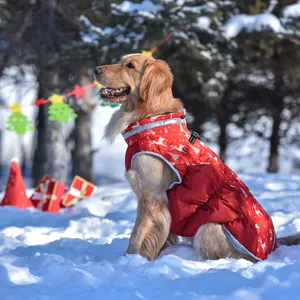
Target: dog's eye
130, 65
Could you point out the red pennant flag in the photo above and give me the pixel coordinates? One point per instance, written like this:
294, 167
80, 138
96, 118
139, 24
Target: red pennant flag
78, 91
40, 101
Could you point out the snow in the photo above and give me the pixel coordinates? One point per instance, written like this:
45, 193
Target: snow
78, 253
109, 160
203, 22
177, 2
292, 11
88, 23
272, 5
251, 23
145, 6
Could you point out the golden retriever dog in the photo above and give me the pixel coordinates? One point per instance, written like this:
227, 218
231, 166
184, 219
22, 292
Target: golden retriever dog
143, 87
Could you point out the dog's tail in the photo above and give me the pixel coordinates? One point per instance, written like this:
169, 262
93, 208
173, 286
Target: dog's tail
290, 240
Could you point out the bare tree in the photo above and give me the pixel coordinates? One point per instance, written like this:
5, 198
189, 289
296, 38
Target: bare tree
51, 155
82, 154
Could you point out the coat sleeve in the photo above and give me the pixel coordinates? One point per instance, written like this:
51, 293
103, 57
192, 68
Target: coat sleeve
203, 197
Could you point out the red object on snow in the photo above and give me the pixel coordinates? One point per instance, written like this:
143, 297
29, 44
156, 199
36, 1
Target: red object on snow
48, 194
79, 189
15, 193
206, 190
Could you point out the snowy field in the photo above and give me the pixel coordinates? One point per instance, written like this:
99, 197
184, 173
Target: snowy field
78, 253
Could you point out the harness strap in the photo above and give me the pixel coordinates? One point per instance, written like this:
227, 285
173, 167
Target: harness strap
141, 128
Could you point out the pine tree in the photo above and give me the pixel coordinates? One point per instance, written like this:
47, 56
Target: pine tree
266, 56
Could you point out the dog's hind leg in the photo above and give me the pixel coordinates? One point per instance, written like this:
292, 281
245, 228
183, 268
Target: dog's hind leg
171, 240
150, 177
291, 240
211, 242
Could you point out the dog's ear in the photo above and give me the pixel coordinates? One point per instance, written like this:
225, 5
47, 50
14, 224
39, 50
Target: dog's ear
156, 79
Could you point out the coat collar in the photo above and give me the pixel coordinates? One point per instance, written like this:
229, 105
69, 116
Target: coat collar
137, 129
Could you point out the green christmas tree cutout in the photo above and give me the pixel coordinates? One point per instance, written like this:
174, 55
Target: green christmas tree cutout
18, 122
60, 111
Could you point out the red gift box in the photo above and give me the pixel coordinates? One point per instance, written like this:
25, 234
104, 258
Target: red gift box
79, 189
48, 194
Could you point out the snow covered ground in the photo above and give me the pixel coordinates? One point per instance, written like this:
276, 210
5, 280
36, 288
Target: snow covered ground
78, 253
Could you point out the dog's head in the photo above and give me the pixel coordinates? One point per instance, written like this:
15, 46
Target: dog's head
136, 78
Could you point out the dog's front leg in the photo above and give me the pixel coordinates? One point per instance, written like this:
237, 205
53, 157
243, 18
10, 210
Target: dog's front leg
151, 229
150, 177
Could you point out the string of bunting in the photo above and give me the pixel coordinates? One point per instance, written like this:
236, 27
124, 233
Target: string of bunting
59, 110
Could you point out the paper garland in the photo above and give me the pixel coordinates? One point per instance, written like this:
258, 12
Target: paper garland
58, 110
61, 112
17, 121
148, 53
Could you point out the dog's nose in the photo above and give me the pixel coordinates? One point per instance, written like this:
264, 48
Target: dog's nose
98, 71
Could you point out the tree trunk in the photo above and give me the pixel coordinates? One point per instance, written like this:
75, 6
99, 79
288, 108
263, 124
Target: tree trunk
82, 154
273, 166
222, 140
51, 156
277, 100
58, 154
223, 120
40, 159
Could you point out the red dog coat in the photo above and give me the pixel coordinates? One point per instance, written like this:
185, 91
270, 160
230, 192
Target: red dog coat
207, 191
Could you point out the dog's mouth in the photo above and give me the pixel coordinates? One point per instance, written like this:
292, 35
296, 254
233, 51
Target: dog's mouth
111, 94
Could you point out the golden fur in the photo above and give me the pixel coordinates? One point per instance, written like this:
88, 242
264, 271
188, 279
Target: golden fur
150, 83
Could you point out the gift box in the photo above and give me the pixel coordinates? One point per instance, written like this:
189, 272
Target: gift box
79, 189
48, 194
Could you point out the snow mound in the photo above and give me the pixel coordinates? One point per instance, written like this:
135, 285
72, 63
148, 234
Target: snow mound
145, 6
79, 253
203, 22
292, 11
251, 23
